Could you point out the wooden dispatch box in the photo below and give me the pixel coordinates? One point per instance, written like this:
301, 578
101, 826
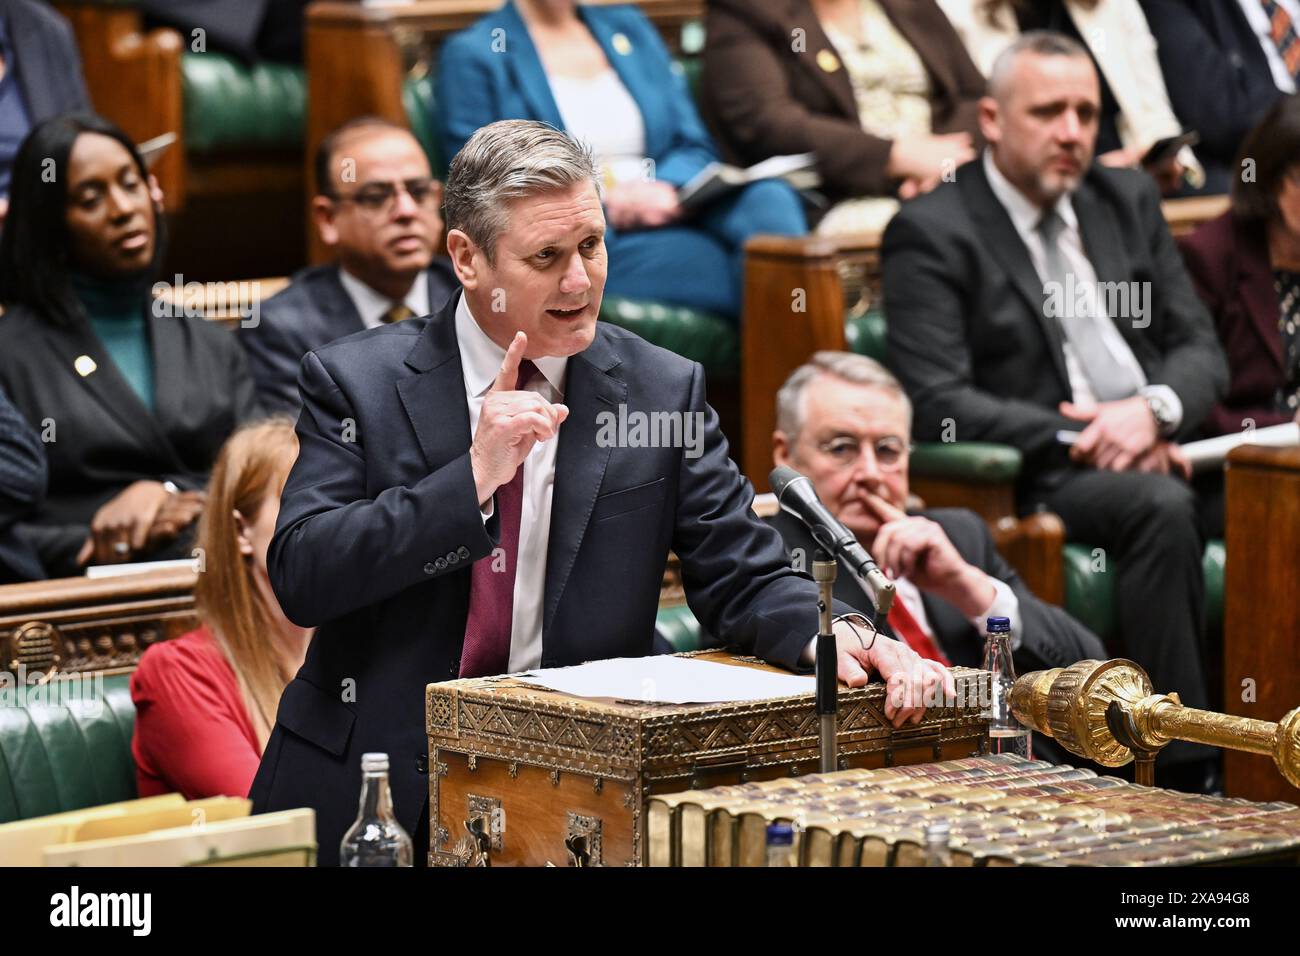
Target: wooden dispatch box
529, 777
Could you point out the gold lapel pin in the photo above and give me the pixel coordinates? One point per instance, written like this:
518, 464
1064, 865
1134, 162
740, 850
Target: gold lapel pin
84, 365
621, 43
828, 61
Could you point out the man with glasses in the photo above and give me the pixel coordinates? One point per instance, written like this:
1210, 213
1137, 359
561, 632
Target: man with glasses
843, 420
377, 208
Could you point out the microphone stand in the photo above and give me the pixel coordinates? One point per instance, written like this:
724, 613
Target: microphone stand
827, 660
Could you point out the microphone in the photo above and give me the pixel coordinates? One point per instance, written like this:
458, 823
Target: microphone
796, 496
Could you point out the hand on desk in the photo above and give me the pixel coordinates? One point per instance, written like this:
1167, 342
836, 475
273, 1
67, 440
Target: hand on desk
911, 681
509, 425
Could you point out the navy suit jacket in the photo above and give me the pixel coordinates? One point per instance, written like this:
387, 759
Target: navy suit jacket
1218, 77
23, 474
1049, 636
45, 59
378, 528
313, 310
483, 83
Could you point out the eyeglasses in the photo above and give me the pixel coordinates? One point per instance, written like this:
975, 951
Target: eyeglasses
381, 197
890, 452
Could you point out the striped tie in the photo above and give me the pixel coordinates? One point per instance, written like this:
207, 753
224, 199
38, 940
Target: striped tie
1282, 29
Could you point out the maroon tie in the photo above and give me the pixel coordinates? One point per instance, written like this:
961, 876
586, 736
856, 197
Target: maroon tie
492, 583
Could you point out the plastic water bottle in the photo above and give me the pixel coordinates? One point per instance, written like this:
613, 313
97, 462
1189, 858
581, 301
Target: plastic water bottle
780, 844
937, 852
1006, 734
376, 838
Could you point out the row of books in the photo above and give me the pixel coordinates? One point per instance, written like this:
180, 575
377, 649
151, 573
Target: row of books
1002, 810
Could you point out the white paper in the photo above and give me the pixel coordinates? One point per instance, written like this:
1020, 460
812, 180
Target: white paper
669, 680
1211, 452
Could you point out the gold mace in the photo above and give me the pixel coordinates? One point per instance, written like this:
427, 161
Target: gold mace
1107, 712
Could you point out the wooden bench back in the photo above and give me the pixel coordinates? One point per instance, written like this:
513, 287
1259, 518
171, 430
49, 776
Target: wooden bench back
76, 625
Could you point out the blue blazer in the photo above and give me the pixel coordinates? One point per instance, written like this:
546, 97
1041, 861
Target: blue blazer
478, 85
375, 540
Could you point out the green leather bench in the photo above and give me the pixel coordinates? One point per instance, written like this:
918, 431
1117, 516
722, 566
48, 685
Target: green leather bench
58, 757
229, 106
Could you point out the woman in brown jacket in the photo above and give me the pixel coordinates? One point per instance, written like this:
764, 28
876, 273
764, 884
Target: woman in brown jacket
882, 91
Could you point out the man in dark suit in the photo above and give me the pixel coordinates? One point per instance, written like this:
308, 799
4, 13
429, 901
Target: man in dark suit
1038, 300
377, 208
844, 421
40, 77
23, 474
1219, 58
449, 516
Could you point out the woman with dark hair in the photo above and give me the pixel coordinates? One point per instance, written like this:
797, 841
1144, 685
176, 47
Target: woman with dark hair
1246, 267
132, 402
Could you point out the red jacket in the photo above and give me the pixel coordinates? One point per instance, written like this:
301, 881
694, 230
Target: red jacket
192, 733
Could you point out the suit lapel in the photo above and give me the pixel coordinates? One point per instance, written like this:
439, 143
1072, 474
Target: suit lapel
106, 385
1256, 290
592, 385
434, 399
170, 385
623, 58
335, 305
914, 22
524, 63
820, 54
999, 236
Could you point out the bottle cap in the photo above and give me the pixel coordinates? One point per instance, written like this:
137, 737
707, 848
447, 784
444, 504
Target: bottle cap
999, 625
938, 832
780, 834
374, 763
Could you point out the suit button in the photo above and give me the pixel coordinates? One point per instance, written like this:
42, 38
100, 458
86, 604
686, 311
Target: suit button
463, 552
454, 669
441, 564
422, 763
453, 558
430, 569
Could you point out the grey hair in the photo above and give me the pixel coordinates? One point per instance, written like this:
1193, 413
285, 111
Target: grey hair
1040, 42
508, 160
849, 366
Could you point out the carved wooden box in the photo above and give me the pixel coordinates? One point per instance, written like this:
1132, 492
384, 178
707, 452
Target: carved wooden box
519, 775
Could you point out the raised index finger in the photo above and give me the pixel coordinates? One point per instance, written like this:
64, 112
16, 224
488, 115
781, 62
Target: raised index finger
509, 374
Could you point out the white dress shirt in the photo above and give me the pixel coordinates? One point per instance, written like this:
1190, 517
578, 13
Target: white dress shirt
1025, 216
372, 305
1258, 20
480, 361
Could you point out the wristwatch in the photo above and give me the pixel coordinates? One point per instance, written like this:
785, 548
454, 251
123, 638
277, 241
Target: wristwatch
1161, 412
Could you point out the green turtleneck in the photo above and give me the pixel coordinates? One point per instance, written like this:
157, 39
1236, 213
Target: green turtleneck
116, 308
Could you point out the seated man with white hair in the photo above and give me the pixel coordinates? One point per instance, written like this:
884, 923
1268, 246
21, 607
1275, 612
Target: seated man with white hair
843, 420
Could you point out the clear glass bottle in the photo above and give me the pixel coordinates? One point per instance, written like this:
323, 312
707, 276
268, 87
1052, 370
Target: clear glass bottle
1006, 734
780, 844
937, 852
376, 838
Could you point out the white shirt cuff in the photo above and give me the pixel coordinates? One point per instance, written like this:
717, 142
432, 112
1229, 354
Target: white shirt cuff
1175, 404
491, 509
1005, 604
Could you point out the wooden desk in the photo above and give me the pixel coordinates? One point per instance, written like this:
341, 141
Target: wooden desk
1261, 606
